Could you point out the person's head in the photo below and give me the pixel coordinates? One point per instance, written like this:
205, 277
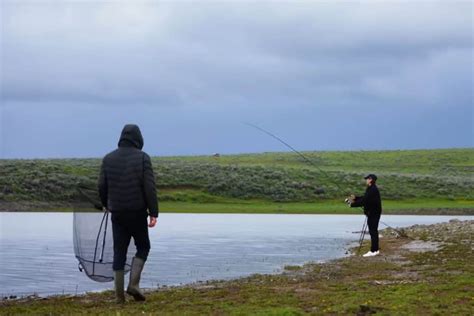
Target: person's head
131, 136
370, 179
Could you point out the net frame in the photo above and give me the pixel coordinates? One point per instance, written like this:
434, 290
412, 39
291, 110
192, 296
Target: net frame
93, 238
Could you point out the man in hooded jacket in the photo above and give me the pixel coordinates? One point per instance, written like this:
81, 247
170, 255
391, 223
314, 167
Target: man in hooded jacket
127, 189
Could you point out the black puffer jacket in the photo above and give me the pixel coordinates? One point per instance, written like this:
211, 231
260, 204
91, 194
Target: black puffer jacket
127, 181
371, 201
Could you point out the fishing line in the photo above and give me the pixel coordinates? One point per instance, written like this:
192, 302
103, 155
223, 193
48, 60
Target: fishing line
402, 234
311, 162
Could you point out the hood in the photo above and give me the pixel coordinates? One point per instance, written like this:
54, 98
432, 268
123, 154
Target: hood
131, 136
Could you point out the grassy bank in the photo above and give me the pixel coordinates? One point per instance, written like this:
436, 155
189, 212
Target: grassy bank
406, 207
420, 207
430, 273
412, 180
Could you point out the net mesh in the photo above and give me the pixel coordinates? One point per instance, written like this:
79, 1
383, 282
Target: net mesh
92, 238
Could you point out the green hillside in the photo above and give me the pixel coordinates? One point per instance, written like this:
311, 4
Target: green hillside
266, 182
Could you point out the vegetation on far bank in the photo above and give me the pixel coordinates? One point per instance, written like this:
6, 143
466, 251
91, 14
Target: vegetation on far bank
416, 180
429, 273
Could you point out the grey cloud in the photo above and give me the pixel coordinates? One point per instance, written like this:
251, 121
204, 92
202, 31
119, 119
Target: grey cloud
315, 73
171, 54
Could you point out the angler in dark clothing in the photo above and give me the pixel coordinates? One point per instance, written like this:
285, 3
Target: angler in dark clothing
372, 204
127, 189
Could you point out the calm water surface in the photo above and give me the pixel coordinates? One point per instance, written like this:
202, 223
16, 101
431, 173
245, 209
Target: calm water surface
37, 256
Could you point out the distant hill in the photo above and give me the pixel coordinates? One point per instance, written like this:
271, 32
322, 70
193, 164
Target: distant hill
446, 174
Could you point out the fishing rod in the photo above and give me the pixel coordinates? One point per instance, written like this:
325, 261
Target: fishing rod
311, 162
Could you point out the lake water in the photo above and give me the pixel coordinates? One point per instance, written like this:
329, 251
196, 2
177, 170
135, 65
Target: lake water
36, 249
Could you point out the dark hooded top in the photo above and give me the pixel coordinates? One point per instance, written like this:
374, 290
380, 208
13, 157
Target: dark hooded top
127, 181
371, 201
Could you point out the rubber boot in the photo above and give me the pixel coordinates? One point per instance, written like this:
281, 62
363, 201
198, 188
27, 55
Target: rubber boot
133, 288
119, 284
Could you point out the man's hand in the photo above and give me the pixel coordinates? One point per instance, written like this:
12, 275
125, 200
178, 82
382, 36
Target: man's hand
350, 199
152, 222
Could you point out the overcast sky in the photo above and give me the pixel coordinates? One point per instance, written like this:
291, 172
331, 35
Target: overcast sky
321, 75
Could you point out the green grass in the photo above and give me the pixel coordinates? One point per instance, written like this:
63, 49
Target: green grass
267, 182
438, 162
446, 207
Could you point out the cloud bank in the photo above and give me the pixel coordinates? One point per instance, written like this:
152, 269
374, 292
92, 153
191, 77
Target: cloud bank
303, 69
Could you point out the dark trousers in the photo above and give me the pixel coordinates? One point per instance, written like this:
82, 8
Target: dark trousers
124, 227
373, 223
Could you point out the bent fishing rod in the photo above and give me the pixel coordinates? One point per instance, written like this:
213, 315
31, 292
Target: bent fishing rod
311, 162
